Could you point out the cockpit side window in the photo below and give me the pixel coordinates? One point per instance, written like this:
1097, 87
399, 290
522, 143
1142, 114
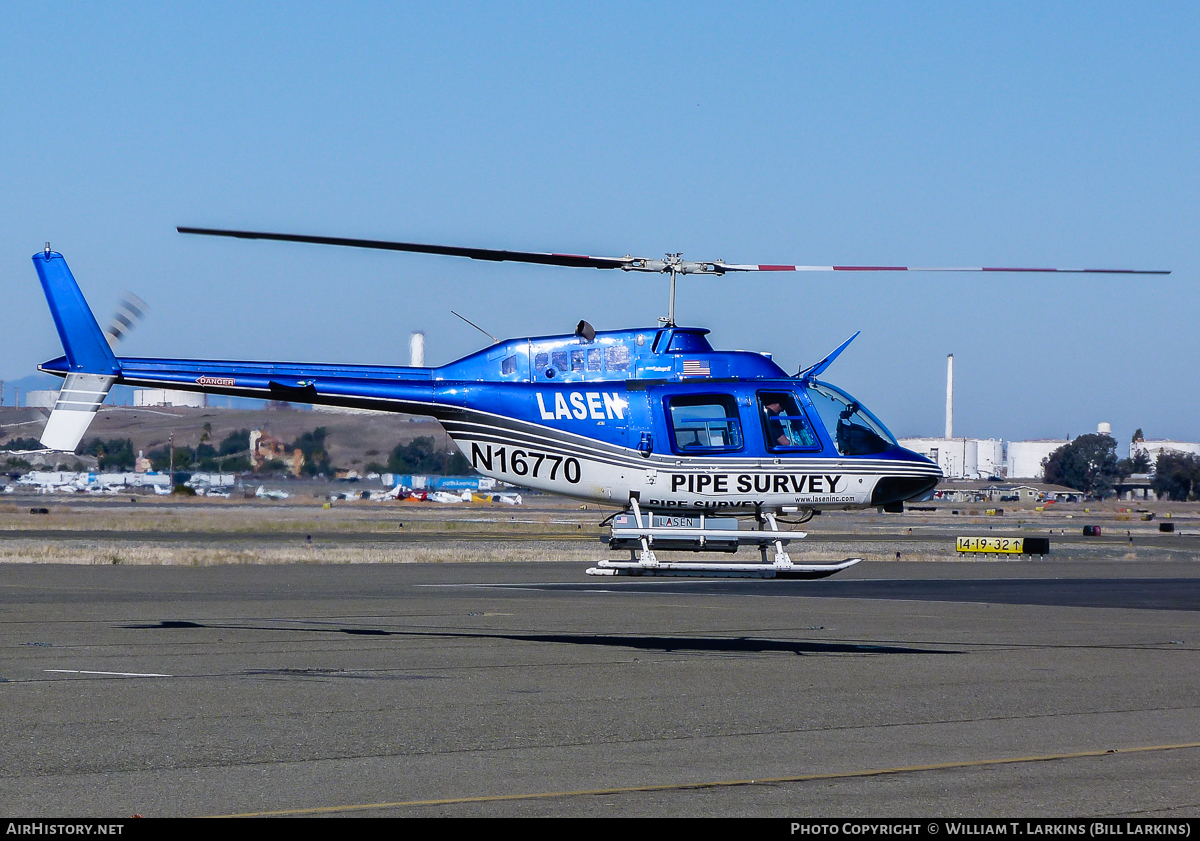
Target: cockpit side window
785, 425
704, 423
686, 342
854, 430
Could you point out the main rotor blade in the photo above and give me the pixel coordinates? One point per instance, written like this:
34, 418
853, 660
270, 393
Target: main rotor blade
671, 264
764, 268
496, 255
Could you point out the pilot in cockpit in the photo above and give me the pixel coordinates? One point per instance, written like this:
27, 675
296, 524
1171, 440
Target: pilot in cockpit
777, 427
786, 426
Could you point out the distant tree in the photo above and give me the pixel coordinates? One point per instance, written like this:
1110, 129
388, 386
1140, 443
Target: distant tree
22, 444
236, 464
206, 458
235, 442
113, 454
316, 458
1177, 476
185, 458
1137, 436
1140, 463
417, 456
160, 459
458, 465
1088, 464
422, 456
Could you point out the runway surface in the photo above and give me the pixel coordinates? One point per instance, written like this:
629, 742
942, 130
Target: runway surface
943, 537
1029, 688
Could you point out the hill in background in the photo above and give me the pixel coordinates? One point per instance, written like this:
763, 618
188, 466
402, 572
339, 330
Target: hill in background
352, 440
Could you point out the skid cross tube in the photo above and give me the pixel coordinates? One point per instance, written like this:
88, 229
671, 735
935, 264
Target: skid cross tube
638, 532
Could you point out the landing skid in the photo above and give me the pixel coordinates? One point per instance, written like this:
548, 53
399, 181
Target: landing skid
713, 570
640, 533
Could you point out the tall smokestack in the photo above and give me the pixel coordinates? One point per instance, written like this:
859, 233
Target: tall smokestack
950, 395
416, 350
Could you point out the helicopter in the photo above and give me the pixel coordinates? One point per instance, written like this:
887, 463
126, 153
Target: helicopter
686, 440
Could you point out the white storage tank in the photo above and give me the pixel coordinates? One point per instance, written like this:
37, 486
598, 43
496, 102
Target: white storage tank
1025, 457
970, 457
168, 397
957, 457
991, 457
40, 399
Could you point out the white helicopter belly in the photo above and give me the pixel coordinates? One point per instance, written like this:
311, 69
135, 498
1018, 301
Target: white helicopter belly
673, 484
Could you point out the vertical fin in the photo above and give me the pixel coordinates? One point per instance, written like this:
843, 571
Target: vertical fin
85, 345
92, 365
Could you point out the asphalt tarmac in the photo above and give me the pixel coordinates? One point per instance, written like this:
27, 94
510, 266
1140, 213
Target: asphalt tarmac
1019, 688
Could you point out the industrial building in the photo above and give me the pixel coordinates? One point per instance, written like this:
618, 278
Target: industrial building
166, 397
961, 458
1154, 447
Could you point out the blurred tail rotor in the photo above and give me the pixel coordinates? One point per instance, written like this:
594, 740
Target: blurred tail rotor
130, 312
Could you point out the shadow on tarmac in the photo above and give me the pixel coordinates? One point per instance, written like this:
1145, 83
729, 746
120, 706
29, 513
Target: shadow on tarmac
715, 645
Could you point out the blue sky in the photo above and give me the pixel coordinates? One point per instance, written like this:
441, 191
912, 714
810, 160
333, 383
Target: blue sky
918, 134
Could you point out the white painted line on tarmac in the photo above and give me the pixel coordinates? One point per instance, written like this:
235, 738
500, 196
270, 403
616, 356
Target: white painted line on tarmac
107, 674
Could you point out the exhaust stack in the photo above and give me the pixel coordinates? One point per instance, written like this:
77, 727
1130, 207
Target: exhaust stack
416, 350
950, 395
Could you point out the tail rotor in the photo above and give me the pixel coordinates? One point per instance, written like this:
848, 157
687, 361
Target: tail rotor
129, 314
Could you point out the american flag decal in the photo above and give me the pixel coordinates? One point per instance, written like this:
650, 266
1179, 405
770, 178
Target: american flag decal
695, 368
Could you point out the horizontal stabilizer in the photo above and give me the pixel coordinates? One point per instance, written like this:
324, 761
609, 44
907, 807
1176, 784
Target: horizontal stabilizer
78, 400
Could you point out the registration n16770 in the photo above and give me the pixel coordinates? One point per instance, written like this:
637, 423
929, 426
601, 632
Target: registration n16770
525, 463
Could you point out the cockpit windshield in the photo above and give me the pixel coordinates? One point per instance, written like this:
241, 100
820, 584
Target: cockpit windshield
854, 430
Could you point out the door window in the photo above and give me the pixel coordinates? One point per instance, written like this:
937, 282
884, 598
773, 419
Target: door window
704, 423
785, 425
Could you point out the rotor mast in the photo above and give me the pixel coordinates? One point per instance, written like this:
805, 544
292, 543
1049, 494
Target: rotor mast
674, 265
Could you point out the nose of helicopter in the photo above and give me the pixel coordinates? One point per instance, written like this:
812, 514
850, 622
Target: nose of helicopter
914, 476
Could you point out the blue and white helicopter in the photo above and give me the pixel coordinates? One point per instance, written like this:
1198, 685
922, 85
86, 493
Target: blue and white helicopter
685, 439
